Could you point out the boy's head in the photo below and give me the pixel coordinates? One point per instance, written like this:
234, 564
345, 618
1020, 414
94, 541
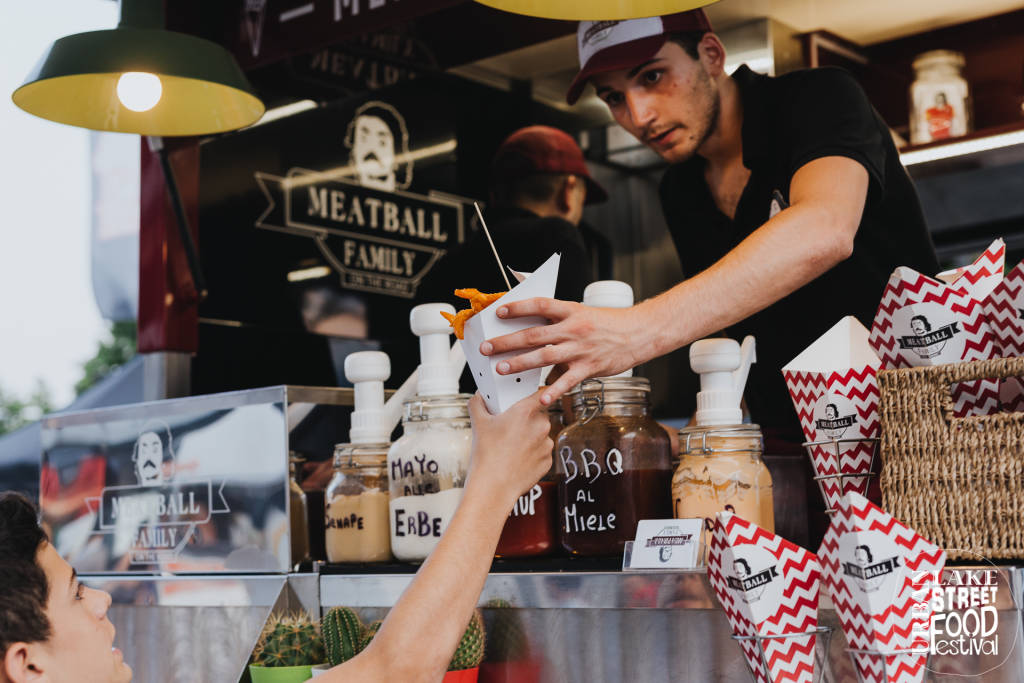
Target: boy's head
52, 628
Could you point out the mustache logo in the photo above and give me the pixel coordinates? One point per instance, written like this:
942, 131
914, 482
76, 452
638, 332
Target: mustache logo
371, 156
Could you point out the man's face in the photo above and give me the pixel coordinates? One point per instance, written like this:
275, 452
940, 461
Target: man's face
669, 103
918, 327
860, 557
373, 147
740, 568
81, 644
830, 413
150, 458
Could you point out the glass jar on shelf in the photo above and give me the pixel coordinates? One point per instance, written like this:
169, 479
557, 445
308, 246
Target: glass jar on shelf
613, 466
356, 505
531, 529
940, 103
427, 470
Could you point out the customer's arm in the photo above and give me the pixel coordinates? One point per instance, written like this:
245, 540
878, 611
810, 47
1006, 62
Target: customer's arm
796, 246
511, 452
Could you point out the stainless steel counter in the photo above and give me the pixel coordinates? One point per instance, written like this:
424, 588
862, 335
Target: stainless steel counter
581, 627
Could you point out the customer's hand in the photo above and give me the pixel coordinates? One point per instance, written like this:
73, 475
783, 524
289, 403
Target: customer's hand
587, 341
511, 451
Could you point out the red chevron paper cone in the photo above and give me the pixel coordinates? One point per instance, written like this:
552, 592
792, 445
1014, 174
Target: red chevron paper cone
834, 389
879, 575
981, 277
1004, 309
767, 586
921, 321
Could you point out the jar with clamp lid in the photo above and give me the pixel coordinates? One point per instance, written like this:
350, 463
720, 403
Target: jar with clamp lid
357, 515
720, 469
531, 529
427, 470
613, 466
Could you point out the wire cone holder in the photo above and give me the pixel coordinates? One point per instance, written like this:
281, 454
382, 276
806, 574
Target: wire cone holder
883, 675
821, 649
839, 478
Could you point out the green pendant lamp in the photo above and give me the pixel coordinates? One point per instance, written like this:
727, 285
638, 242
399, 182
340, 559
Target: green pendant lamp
140, 78
595, 10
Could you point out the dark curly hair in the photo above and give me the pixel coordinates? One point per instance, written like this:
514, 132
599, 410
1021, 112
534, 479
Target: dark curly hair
23, 587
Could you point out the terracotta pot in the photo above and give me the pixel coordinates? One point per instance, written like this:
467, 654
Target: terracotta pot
461, 676
523, 671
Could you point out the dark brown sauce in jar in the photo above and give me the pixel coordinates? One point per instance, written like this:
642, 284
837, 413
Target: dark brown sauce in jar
613, 467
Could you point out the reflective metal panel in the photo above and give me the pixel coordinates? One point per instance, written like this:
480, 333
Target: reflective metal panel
185, 485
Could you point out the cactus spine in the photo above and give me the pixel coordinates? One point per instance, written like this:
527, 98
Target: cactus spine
342, 631
368, 633
289, 640
470, 651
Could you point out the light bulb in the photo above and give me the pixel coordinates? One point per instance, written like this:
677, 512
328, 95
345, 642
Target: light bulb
139, 91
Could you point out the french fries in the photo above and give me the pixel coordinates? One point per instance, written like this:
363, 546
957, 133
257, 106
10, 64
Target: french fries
478, 301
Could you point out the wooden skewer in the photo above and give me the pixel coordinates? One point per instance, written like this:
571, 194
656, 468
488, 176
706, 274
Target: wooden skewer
493, 248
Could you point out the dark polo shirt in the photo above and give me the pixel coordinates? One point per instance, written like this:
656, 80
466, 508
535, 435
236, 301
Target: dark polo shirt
789, 121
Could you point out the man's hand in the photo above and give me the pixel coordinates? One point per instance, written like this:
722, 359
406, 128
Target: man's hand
512, 451
586, 341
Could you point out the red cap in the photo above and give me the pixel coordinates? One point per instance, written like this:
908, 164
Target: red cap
611, 45
543, 149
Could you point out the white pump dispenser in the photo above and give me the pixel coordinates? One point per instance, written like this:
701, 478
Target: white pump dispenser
367, 370
435, 372
723, 366
609, 294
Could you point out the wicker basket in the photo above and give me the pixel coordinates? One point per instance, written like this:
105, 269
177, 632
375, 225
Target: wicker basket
956, 481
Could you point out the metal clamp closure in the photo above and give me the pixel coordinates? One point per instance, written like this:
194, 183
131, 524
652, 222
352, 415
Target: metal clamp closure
592, 405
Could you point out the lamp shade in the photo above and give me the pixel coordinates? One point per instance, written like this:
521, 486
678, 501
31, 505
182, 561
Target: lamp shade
201, 88
595, 10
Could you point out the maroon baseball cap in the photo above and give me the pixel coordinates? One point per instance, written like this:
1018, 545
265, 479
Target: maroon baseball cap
611, 45
543, 149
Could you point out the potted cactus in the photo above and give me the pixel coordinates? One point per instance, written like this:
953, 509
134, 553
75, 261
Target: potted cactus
510, 658
465, 663
288, 647
344, 636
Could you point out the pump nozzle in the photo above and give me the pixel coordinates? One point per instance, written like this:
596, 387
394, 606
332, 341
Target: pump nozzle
367, 370
609, 294
723, 367
435, 371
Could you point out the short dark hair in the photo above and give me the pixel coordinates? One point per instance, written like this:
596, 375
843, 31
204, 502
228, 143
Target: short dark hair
867, 551
25, 591
536, 187
688, 40
924, 321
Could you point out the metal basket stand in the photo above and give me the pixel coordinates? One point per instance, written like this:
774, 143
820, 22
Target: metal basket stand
821, 649
840, 478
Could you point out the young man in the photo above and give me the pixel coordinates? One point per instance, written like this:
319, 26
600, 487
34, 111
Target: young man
539, 185
53, 629
786, 201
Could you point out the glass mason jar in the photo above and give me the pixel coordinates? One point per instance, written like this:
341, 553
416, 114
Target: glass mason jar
297, 513
613, 466
940, 102
531, 529
356, 505
427, 470
720, 468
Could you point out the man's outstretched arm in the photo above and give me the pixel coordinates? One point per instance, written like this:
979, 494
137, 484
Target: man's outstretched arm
796, 246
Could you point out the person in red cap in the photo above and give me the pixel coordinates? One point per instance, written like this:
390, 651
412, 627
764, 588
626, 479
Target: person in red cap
538, 187
785, 198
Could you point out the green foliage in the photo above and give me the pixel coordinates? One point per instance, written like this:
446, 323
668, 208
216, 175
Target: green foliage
16, 412
470, 651
342, 633
289, 640
368, 633
507, 641
110, 355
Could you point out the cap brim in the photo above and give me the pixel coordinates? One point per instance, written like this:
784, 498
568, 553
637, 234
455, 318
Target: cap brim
624, 56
